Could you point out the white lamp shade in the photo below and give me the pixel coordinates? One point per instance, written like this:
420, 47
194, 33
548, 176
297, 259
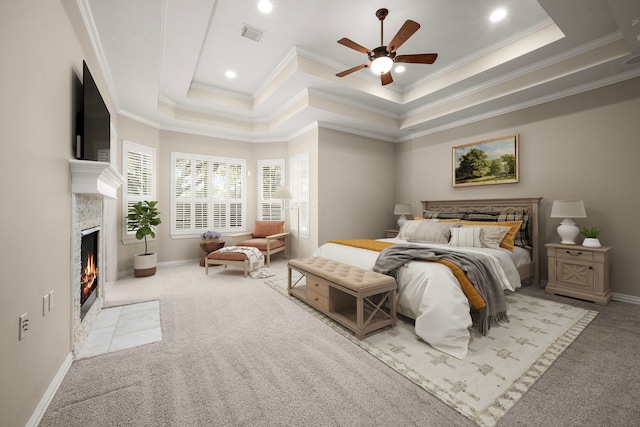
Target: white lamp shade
402, 209
568, 209
283, 192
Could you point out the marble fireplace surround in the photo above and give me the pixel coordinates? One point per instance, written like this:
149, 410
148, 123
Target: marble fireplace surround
94, 188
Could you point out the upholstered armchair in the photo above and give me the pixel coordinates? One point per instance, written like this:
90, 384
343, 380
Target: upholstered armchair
268, 237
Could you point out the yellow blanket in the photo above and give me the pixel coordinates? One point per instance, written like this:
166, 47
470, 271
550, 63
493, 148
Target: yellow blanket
474, 297
372, 245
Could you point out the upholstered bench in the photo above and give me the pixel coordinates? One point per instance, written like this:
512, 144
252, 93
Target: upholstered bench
361, 300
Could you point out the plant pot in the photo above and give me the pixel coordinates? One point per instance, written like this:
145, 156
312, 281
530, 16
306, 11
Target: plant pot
144, 265
591, 242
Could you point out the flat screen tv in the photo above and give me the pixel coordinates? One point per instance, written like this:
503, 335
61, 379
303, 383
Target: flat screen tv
93, 123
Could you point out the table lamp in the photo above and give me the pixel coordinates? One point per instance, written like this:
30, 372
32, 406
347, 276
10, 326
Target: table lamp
568, 230
402, 209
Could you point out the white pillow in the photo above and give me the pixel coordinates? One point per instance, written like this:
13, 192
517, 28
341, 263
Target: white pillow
433, 232
408, 228
466, 237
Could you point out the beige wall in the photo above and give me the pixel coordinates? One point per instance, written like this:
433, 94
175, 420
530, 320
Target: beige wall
41, 60
585, 147
356, 186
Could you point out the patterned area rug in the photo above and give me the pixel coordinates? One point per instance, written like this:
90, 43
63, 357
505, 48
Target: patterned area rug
498, 369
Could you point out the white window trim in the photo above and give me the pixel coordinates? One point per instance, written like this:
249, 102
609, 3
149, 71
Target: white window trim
128, 237
186, 234
261, 199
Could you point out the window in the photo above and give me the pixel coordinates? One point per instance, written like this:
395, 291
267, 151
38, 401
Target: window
270, 177
139, 170
300, 192
207, 194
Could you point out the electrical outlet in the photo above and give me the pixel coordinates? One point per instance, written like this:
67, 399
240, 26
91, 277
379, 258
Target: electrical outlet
45, 304
23, 326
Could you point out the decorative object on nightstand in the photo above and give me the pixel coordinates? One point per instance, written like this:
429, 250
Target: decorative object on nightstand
590, 237
579, 272
390, 234
568, 230
402, 209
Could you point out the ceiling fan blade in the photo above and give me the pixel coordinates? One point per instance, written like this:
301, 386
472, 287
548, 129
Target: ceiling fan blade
386, 78
403, 34
422, 58
353, 45
353, 70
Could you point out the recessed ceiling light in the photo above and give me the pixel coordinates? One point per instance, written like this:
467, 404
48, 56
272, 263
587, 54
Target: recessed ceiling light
399, 69
498, 15
230, 74
265, 6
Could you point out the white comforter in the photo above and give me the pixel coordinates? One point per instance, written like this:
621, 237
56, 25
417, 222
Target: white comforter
429, 292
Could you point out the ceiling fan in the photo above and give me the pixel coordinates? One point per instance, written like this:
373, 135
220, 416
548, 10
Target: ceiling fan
382, 58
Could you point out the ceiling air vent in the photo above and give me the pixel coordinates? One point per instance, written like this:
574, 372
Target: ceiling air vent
251, 33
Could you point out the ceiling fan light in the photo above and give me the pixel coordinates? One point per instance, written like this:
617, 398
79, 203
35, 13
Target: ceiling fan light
381, 65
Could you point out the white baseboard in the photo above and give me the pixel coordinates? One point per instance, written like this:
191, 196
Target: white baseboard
625, 298
37, 415
614, 295
127, 273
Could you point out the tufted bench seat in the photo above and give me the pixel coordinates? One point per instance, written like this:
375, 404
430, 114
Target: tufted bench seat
361, 300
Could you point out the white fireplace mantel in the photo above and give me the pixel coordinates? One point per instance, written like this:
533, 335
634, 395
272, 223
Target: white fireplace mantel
89, 177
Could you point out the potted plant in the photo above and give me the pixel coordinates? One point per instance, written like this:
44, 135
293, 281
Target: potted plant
142, 218
590, 237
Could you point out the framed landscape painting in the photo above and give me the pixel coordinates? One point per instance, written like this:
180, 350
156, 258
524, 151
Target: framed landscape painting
494, 161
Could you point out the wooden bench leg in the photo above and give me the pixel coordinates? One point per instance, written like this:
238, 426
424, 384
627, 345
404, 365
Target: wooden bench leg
359, 318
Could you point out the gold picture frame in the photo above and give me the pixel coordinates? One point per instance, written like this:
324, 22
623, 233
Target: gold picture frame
493, 161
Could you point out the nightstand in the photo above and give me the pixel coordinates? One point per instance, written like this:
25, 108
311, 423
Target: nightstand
390, 234
579, 272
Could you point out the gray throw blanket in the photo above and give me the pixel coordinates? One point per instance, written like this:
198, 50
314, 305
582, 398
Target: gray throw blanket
478, 271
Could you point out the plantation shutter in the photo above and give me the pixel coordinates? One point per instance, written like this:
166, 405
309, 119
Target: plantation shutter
300, 192
208, 194
139, 172
182, 194
270, 177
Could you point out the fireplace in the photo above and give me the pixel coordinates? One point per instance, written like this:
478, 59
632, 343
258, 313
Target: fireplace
89, 269
94, 225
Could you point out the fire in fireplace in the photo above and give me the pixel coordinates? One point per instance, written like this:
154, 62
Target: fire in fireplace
89, 270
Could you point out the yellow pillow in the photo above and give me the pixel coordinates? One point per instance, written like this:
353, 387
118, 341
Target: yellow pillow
418, 218
448, 220
508, 241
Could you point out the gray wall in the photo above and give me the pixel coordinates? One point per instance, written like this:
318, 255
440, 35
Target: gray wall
585, 147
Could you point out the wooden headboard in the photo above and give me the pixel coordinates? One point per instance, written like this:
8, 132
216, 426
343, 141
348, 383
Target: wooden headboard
529, 205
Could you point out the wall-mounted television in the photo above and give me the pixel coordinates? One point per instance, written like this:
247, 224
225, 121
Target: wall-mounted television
93, 122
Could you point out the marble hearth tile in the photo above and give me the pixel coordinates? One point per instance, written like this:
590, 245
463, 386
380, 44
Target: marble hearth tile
118, 328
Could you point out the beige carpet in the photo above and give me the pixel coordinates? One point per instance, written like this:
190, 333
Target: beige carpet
499, 368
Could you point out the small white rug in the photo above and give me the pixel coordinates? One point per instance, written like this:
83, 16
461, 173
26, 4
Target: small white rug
498, 369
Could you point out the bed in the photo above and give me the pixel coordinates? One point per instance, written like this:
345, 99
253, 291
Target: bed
429, 292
